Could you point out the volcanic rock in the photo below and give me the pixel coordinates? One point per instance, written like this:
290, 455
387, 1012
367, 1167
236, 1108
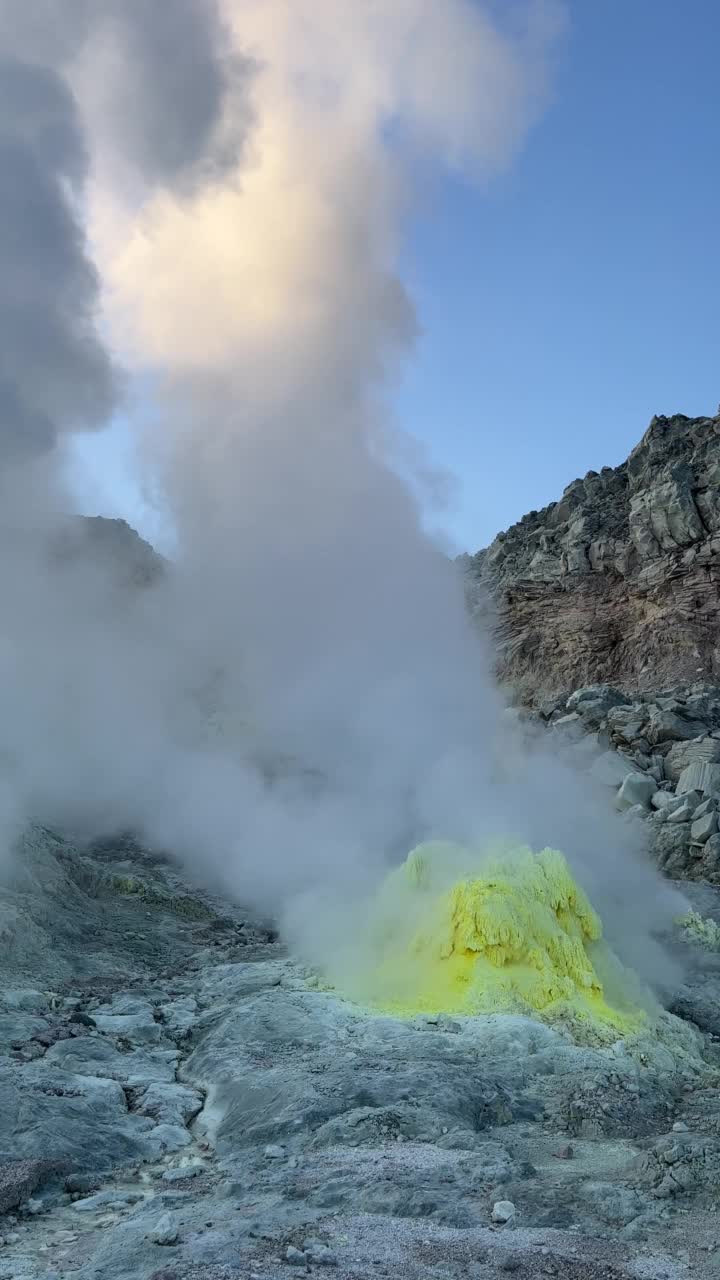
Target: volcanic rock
617, 584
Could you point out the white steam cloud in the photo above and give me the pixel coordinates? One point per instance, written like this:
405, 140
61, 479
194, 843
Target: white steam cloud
301, 696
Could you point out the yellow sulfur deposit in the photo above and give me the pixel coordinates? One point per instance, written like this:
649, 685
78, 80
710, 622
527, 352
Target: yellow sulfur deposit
503, 931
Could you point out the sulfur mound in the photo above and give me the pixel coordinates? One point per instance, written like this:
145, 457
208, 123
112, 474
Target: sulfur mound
504, 931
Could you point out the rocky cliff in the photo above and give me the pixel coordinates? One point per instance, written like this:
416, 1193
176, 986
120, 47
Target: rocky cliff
619, 580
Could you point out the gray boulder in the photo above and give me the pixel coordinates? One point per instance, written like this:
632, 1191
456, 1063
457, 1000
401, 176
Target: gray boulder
570, 726
671, 843
698, 751
165, 1231
666, 800
638, 813
711, 855
703, 828
668, 726
135, 1027
700, 777
170, 1103
684, 812
611, 769
636, 789
593, 703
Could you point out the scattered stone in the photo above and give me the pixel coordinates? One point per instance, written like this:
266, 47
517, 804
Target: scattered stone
170, 1103
683, 813
667, 726
165, 1139
82, 1182
164, 1232
704, 778
105, 1199
636, 789
682, 754
564, 1153
319, 1254
571, 726
610, 769
134, 1027
639, 813
666, 800
295, 1257
124, 1005
503, 1211
274, 1152
703, 828
670, 846
26, 999
594, 702
180, 1173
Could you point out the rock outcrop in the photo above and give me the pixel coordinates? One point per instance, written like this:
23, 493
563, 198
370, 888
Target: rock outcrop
619, 581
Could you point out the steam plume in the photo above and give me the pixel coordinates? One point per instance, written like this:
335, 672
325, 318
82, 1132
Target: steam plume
253, 164
54, 374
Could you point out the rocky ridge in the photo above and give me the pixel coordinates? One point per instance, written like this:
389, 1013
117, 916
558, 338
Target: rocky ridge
618, 581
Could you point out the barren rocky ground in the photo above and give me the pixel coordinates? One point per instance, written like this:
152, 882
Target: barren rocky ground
180, 1100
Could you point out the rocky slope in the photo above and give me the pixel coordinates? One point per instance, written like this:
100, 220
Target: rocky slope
619, 581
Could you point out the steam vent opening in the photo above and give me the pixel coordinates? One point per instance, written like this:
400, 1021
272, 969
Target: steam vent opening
503, 930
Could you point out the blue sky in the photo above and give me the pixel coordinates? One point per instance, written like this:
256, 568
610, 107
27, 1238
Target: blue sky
580, 293
573, 297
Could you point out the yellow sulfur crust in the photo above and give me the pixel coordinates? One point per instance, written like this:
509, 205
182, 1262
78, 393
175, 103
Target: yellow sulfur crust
504, 931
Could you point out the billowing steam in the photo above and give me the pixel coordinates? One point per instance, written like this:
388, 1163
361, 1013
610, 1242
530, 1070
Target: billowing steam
301, 696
